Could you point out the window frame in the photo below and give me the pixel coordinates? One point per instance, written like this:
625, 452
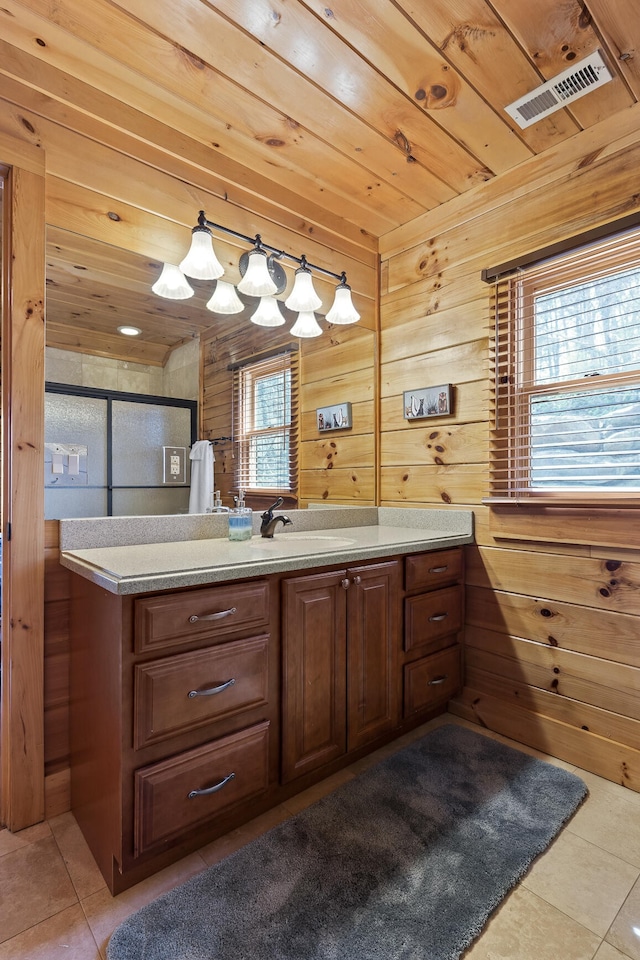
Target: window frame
513, 297
246, 377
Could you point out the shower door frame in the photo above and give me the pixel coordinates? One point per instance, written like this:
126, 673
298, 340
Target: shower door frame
98, 393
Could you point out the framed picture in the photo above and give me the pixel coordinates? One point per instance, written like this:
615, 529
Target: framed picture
427, 402
336, 417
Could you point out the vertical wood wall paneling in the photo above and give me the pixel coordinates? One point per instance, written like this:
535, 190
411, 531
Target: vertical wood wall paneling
537, 669
23, 502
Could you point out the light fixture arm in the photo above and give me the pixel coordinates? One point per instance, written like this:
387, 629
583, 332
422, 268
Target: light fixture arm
259, 245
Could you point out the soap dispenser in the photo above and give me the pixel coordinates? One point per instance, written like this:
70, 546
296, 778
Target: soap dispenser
240, 520
217, 504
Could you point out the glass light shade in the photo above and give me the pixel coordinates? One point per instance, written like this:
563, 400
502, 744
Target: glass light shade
172, 284
225, 299
201, 262
303, 297
343, 310
257, 280
306, 325
268, 313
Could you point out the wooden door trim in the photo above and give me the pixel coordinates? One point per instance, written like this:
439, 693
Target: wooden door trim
23, 342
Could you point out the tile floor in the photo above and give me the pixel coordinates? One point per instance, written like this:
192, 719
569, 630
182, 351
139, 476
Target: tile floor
579, 901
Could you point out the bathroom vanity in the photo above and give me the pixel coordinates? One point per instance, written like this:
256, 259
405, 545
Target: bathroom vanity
212, 680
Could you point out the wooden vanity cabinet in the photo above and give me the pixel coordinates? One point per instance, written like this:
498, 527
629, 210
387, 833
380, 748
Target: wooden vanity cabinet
174, 719
196, 709
433, 620
340, 635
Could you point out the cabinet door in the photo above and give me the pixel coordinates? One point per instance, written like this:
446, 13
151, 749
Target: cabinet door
314, 662
373, 645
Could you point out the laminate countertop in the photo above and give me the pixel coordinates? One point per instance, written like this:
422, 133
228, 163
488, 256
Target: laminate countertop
163, 565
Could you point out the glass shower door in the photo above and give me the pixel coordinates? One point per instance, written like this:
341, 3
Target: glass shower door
140, 484
74, 423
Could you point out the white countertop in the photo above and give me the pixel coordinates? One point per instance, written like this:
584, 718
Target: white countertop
142, 567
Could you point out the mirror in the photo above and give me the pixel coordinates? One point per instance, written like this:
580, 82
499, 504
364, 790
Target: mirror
92, 289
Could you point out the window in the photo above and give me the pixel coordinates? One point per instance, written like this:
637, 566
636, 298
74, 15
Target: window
265, 424
567, 365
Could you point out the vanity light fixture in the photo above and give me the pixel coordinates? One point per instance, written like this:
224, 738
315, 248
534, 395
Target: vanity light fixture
262, 276
225, 299
128, 331
173, 284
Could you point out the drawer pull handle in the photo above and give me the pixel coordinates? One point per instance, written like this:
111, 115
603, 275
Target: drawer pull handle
211, 690
438, 680
213, 616
209, 790
437, 617
439, 569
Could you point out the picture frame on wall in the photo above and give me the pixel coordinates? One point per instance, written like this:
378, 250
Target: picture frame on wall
428, 402
335, 417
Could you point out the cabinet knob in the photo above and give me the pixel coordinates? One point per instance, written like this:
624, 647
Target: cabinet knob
346, 583
357, 580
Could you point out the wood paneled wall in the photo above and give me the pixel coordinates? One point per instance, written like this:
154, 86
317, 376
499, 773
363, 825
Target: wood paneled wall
552, 642
337, 467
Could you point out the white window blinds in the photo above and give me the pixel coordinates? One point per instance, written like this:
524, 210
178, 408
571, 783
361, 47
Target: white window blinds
265, 423
566, 349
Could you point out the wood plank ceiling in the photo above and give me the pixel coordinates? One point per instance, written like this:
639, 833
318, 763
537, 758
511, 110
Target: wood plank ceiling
352, 117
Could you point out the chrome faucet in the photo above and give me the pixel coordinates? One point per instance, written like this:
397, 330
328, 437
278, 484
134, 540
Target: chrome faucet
269, 522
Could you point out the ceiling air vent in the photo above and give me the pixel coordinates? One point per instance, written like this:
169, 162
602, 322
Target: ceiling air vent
581, 78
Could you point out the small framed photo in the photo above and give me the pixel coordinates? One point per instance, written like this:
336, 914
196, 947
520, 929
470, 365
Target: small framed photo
428, 402
336, 417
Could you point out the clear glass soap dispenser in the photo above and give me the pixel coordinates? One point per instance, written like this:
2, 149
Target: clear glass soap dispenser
240, 520
217, 504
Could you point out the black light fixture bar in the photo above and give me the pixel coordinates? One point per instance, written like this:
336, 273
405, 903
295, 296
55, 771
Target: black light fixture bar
258, 242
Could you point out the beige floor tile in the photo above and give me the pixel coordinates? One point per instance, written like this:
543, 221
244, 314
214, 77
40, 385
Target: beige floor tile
607, 952
599, 818
528, 928
35, 885
66, 936
585, 882
104, 912
83, 870
624, 932
9, 842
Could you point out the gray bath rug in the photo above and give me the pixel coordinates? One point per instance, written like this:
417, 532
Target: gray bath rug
405, 862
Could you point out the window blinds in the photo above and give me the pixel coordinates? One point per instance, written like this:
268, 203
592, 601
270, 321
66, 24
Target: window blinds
566, 355
265, 423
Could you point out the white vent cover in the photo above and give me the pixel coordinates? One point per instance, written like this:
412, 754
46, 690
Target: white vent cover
567, 86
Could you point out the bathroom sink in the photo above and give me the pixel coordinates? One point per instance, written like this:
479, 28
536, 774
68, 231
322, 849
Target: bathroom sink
287, 542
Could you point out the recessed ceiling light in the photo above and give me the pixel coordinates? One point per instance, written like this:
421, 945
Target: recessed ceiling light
129, 331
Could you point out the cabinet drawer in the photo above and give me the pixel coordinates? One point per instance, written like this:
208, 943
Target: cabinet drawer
186, 616
186, 691
432, 680
426, 570
171, 796
431, 616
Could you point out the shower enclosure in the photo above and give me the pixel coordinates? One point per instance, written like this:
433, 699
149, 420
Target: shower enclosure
106, 453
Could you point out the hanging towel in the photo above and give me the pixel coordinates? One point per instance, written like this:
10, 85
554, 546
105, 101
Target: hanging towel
201, 492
